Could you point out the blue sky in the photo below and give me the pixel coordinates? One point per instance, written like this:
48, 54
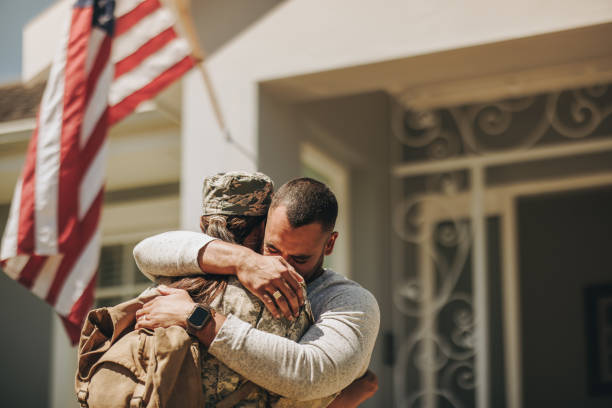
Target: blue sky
13, 16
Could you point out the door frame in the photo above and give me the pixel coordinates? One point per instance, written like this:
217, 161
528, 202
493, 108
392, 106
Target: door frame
498, 201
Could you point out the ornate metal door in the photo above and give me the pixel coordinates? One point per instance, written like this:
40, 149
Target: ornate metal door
457, 174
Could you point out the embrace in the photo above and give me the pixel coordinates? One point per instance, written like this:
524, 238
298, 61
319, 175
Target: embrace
266, 324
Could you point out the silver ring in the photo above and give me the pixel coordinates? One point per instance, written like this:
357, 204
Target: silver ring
277, 295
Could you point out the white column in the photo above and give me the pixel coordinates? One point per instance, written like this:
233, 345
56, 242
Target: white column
512, 314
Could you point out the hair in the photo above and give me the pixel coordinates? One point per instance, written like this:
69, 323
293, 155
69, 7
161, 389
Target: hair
307, 201
229, 228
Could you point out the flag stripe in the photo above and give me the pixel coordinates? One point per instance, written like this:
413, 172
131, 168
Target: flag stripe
88, 228
30, 270
74, 105
48, 155
101, 63
149, 27
25, 234
133, 17
148, 49
125, 6
93, 180
14, 265
9, 238
96, 39
75, 284
45, 277
127, 106
78, 313
147, 71
97, 104
97, 138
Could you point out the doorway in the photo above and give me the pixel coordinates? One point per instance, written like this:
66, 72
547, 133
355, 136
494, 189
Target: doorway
564, 240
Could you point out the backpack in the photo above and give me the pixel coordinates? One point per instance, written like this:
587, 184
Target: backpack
121, 367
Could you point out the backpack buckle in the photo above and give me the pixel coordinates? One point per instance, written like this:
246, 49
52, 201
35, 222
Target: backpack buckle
82, 396
136, 402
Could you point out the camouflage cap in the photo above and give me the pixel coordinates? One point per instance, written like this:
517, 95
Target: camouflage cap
237, 193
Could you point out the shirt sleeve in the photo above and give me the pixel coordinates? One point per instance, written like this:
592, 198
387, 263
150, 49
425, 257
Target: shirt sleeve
332, 353
173, 253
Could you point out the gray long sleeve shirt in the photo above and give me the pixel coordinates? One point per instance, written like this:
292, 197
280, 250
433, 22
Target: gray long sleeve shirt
331, 354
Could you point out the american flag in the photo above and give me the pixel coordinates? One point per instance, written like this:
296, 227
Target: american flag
113, 56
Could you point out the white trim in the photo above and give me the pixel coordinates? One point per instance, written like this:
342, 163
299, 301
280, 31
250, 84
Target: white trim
480, 286
484, 88
511, 305
509, 157
338, 177
428, 277
16, 126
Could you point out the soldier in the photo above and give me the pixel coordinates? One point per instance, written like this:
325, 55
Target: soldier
299, 233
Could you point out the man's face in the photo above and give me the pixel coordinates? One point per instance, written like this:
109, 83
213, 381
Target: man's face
303, 247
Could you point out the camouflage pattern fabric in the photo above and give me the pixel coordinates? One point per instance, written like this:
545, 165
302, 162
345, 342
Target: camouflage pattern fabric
237, 193
218, 381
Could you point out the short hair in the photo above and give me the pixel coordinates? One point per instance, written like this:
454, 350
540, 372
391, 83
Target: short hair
307, 201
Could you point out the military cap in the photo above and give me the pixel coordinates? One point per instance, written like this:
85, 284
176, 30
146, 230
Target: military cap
237, 193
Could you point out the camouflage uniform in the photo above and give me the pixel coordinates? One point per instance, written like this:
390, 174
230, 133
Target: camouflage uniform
246, 194
218, 380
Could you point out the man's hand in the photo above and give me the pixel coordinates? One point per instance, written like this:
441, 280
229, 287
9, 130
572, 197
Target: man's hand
357, 392
170, 309
260, 275
264, 275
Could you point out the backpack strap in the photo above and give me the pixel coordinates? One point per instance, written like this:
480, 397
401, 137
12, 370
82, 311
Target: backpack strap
142, 391
241, 393
138, 396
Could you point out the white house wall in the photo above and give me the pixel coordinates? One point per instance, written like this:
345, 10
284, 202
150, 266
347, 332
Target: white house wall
300, 37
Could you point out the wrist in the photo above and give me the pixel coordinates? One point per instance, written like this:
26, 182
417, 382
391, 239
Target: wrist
197, 317
245, 261
207, 334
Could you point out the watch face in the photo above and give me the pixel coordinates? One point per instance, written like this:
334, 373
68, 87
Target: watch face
198, 317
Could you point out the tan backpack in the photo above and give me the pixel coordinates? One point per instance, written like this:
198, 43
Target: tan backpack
120, 367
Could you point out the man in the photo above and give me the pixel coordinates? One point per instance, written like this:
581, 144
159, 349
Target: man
299, 233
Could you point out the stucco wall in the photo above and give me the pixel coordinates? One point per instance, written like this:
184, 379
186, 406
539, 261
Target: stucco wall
298, 37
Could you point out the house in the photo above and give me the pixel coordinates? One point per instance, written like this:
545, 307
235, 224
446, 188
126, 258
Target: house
470, 144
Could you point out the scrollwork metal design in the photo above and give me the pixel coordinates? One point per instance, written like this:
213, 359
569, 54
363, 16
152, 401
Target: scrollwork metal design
443, 359
428, 349
571, 114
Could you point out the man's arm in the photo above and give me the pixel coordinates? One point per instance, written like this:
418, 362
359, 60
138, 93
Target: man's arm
171, 253
330, 355
181, 253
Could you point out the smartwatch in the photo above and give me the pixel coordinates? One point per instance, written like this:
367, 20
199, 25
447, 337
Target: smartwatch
199, 316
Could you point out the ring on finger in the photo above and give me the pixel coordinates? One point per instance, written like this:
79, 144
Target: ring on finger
277, 295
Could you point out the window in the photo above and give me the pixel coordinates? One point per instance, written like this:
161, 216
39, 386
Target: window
118, 276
